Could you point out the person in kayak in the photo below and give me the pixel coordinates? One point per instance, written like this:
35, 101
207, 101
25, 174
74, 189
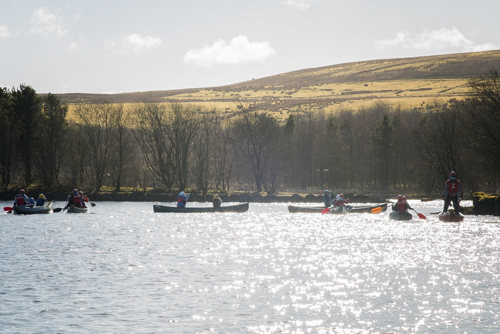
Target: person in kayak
21, 198
452, 192
401, 205
182, 199
217, 202
328, 198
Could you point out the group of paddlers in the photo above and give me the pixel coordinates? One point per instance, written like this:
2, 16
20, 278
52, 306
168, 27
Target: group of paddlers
77, 198
452, 193
22, 199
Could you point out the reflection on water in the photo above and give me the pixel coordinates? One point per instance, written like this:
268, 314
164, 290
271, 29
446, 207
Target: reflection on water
123, 268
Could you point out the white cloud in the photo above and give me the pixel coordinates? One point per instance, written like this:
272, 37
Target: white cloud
301, 4
238, 50
441, 39
4, 32
46, 23
134, 43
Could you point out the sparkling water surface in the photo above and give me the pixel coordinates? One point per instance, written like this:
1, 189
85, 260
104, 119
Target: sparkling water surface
123, 269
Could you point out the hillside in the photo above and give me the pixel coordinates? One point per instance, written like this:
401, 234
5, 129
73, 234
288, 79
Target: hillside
408, 82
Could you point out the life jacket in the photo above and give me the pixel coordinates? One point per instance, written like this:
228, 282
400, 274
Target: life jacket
340, 202
77, 200
401, 206
452, 187
40, 202
20, 199
181, 201
216, 202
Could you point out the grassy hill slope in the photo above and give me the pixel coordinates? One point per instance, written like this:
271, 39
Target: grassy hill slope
407, 82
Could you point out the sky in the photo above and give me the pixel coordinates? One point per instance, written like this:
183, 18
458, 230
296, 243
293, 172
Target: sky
114, 46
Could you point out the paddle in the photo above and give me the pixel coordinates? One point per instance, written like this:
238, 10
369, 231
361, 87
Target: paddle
378, 209
8, 209
421, 216
325, 210
92, 204
57, 210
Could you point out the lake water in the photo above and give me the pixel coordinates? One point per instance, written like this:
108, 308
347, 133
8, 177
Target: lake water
124, 269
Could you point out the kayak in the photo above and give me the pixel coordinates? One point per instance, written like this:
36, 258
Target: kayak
400, 215
75, 209
450, 216
30, 210
229, 208
354, 209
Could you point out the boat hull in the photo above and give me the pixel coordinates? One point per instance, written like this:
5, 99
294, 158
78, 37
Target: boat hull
230, 208
398, 215
25, 210
75, 209
450, 216
318, 209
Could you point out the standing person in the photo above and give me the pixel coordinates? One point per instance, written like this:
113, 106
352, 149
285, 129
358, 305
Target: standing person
327, 199
217, 202
182, 199
41, 200
452, 192
21, 198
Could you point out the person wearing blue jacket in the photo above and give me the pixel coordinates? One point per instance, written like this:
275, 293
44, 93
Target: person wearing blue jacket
182, 199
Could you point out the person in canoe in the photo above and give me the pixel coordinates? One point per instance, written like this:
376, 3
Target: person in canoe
41, 200
74, 199
340, 202
217, 201
83, 198
328, 198
21, 198
182, 199
452, 192
402, 206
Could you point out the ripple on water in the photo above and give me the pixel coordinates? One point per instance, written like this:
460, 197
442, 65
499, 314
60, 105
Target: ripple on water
125, 268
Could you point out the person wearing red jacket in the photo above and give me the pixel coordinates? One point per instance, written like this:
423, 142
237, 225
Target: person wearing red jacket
452, 192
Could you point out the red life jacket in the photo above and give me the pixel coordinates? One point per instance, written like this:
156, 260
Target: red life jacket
77, 200
401, 206
20, 199
452, 187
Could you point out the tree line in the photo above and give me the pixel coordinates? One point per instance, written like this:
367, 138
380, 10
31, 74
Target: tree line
381, 148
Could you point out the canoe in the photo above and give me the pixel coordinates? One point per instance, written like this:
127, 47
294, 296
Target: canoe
450, 216
228, 208
75, 209
27, 210
355, 209
398, 215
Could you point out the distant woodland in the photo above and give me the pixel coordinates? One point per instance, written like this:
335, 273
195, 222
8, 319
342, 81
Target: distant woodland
172, 146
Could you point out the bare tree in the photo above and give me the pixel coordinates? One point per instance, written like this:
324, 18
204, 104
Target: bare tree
151, 134
97, 126
254, 135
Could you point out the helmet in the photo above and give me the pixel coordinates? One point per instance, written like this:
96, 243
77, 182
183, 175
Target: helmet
181, 193
453, 174
341, 195
327, 191
400, 197
21, 191
403, 198
42, 196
